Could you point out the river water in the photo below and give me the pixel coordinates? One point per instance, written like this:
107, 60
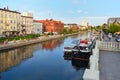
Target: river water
41, 61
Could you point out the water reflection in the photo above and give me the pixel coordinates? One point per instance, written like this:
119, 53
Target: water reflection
79, 64
50, 45
14, 57
43, 65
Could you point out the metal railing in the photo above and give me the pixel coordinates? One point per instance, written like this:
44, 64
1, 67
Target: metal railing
113, 46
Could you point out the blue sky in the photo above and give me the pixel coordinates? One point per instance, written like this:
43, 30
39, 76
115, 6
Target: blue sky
96, 12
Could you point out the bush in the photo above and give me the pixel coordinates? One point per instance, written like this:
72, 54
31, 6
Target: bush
29, 36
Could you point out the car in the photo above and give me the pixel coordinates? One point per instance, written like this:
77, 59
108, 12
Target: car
117, 39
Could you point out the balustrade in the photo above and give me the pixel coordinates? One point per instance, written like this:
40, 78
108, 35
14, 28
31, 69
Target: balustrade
109, 46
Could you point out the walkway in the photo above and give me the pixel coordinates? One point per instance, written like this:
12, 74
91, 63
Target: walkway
109, 65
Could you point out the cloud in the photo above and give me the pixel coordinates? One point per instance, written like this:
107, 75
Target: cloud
96, 17
71, 12
85, 12
79, 1
79, 11
43, 14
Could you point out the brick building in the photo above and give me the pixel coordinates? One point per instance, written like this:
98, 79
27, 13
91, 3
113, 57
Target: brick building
74, 27
52, 26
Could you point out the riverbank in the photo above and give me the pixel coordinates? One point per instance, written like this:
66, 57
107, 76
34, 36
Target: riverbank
19, 43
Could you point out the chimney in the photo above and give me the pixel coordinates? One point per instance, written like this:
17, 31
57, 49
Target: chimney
7, 8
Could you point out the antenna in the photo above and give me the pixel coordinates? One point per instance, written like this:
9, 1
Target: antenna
50, 15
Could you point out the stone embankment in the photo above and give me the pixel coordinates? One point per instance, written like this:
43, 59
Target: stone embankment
93, 72
19, 43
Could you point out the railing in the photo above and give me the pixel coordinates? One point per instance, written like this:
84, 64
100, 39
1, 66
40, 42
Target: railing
113, 46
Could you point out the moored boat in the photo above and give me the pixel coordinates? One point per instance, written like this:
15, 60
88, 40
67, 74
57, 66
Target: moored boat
84, 49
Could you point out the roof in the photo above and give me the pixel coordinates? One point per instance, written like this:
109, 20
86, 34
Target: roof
9, 11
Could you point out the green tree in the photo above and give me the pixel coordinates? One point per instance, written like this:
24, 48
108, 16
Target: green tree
70, 30
114, 28
63, 31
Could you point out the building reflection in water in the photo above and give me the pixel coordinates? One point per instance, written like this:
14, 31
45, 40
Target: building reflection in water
50, 45
14, 57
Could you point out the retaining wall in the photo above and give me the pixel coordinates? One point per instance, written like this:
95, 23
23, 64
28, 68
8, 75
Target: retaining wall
19, 43
93, 72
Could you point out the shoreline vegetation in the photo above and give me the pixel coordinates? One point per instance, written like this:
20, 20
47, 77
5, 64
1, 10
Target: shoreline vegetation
19, 43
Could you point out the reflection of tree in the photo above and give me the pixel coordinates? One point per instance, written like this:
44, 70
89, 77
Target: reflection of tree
50, 45
14, 57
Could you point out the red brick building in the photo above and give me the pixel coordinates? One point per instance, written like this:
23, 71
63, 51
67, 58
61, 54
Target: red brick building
52, 25
75, 27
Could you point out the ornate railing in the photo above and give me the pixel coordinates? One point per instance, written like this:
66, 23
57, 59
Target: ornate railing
113, 46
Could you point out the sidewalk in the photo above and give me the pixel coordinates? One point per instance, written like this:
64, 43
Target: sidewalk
109, 65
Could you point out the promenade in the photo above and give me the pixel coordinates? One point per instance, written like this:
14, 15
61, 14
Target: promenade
109, 63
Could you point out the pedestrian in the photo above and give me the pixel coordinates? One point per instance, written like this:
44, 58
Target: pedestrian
6, 41
103, 36
109, 38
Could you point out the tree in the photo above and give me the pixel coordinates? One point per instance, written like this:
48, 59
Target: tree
63, 31
114, 28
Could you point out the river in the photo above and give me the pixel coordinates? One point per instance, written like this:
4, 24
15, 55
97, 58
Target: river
41, 61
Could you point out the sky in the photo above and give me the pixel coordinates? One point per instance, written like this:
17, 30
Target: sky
95, 12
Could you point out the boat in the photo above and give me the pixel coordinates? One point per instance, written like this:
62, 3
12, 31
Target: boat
84, 49
69, 47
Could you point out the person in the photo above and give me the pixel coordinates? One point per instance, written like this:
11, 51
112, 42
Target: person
6, 41
109, 36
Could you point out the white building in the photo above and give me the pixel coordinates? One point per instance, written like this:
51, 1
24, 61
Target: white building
27, 22
37, 27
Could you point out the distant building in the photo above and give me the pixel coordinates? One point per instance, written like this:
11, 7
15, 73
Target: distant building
27, 22
113, 20
37, 28
84, 23
73, 26
52, 26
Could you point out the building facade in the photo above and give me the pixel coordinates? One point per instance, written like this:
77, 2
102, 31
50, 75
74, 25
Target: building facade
27, 23
74, 27
37, 27
84, 23
112, 20
52, 26
9, 20
12, 22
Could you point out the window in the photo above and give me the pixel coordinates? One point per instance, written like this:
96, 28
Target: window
1, 15
1, 21
11, 21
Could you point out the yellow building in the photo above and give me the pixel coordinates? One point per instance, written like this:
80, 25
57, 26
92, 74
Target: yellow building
9, 20
84, 23
13, 21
